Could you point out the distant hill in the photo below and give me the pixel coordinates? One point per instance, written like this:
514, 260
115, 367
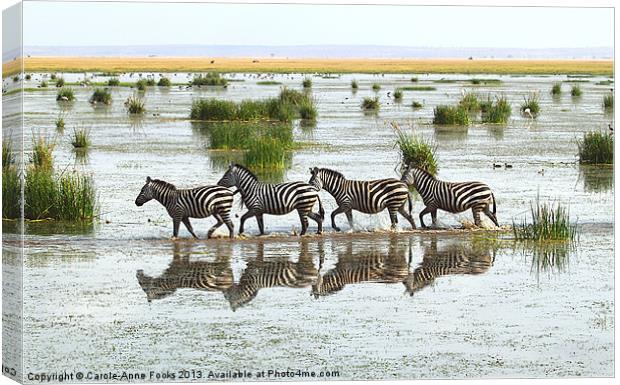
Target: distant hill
323, 51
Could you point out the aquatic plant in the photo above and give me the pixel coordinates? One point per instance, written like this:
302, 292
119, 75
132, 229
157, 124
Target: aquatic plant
354, 84
265, 153
556, 89
608, 102
497, 111
575, 90
469, 102
114, 82
307, 110
376, 87
416, 104
150, 82
371, 104
416, 151
164, 82
213, 109
53, 76
60, 82
42, 152
456, 115
65, 94
477, 81
210, 79
306, 83
530, 102
101, 96
398, 94
242, 135
294, 97
28, 76
141, 85
548, 223
80, 138
60, 123
414, 79
43, 84
418, 88
268, 83
135, 105
11, 191
596, 148
8, 158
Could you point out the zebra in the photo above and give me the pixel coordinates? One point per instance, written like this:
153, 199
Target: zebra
369, 197
276, 272
450, 197
275, 199
182, 204
453, 260
181, 273
367, 266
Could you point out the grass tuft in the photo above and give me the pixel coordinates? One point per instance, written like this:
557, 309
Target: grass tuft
8, 158
414, 79
43, 84
164, 82
135, 105
354, 84
417, 152
398, 95
497, 111
418, 88
416, 104
42, 153
101, 96
306, 83
371, 104
549, 223
376, 87
608, 102
60, 82
596, 148
531, 102
80, 138
556, 89
469, 102
65, 94
114, 82
456, 115
210, 79
575, 90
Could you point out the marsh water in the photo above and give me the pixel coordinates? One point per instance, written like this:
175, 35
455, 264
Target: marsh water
368, 304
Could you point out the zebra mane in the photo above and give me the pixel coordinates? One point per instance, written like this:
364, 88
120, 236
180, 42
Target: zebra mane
331, 172
242, 167
163, 183
424, 172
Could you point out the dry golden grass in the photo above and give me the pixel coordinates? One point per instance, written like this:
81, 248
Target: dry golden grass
201, 64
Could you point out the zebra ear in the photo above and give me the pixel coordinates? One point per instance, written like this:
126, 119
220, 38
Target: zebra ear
148, 179
311, 171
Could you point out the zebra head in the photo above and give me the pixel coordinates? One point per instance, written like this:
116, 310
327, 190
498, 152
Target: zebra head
413, 175
153, 287
146, 194
315, 179
230, 178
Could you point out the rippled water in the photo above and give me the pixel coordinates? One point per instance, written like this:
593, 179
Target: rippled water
436, 304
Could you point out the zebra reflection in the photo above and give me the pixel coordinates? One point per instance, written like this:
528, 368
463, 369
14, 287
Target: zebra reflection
451, 260
185, 274
273, 272
365, 266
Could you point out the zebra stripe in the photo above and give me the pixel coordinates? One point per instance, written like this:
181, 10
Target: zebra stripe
369, 197
451, 197
275, 199
182, 204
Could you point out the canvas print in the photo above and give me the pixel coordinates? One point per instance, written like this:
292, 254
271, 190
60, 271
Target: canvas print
196, 192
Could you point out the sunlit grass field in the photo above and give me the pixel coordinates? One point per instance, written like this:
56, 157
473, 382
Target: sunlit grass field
280, 65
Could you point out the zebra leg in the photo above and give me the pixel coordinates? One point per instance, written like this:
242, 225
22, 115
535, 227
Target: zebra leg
476, 211
215, 226
434, 217
245, 216
261, 226
393, 219
303, 218
407, 216
334, 213
188, 225
491, 216
319, 221
350, 218
422, 214
175, 227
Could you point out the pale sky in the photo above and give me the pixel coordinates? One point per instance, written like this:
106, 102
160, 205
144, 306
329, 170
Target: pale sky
92, 24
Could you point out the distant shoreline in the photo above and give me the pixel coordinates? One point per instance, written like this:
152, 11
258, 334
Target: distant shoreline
310, 65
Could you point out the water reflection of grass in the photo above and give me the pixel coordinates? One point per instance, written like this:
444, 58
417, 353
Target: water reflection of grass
549, 257
597, 178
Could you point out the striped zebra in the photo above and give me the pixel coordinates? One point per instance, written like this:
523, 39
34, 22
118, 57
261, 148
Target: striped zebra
454, 260
182, 204
183, 274
276, 272
367, 266
450, 197
275, 199
369, 197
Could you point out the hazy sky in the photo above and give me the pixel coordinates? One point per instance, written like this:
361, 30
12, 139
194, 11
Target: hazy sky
57, 23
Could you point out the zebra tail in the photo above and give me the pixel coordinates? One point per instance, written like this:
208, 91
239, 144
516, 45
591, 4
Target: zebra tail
321, 211
494, 207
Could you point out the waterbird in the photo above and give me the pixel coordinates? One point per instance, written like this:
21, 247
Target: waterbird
542, 171
507, 165
528, 112
611, 128
497, 165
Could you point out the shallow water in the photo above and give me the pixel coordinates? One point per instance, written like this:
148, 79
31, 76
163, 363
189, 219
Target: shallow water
493, 309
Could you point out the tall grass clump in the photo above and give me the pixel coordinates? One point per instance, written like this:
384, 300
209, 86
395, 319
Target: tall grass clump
608, 102
11, 191
265, 153
60, 82
354, 85
210, 79
469, 102
456, 115
596, 148
371, 104
416, 104
8, 158
548, 223
497, 111
417, 152
556, 89
575, 90
80, 138
531, 102
43, 84
135, 105
307, 111
164, 82
65, 94
42, 153
376, 87
213, 109
141, 85
101, 96
114, 82
150, 82
242, 135
306, 83
398, 95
